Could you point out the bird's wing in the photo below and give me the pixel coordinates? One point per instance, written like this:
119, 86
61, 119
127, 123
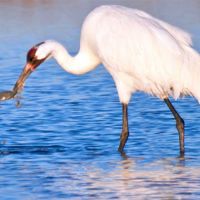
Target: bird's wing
179, 34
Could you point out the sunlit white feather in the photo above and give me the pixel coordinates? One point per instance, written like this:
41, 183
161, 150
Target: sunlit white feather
141, 53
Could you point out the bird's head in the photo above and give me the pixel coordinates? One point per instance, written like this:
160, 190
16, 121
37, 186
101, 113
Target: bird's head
35, 56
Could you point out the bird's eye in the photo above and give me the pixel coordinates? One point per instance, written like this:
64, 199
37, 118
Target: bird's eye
30, 59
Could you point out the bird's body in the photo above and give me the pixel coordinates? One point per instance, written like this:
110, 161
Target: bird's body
141, 53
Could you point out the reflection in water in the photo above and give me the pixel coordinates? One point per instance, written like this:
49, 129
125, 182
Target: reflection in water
158, 180
62, 141
124, 180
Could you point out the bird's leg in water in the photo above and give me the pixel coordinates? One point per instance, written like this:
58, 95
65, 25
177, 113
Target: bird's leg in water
125, 132
179, 125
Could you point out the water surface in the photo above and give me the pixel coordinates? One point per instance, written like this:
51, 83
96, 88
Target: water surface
62, 142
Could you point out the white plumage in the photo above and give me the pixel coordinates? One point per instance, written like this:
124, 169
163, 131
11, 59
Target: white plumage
141, 53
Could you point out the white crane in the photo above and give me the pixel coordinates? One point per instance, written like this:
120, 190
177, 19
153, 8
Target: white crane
140, 52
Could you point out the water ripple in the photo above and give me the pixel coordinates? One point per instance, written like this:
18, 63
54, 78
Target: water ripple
62, 142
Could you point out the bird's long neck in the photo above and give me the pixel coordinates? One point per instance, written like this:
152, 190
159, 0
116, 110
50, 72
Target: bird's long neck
81, 63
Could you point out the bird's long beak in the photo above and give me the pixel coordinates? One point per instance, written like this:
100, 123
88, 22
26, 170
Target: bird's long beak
28, 69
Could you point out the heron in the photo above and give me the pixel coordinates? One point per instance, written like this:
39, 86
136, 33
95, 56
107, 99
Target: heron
141, 53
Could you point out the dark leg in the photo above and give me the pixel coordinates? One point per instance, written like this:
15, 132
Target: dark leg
125, 132
179, 125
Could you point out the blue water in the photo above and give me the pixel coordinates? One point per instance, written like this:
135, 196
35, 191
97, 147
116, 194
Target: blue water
61, 142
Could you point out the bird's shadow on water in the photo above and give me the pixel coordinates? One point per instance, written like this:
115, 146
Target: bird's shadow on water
6, 149
30, 149
125, 160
